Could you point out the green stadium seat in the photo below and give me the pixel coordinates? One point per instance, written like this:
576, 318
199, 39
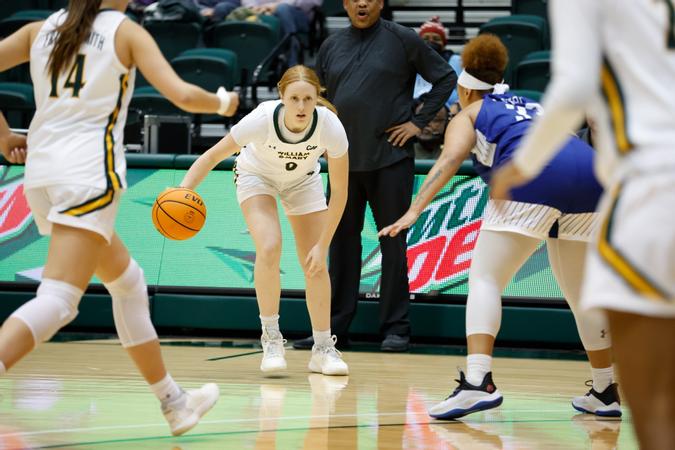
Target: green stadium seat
17, 102
9, 7
148, 100
208, 71
173, 38
273, 22
18, 74
17, 20
251, 42
534, 72
521, 35
208, 68
532, 7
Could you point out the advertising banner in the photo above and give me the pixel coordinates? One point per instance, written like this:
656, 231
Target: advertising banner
222, 255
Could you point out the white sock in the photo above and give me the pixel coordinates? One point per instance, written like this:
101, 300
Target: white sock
270, 323
167, 389
477, 365
602, 378
321, 336
3, 369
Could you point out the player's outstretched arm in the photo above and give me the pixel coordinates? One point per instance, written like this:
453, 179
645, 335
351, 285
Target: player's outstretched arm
136, 46
225, 148
460, 137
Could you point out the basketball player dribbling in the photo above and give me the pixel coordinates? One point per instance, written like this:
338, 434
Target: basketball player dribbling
280, 144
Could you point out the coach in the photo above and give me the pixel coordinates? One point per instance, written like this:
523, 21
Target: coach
369, 72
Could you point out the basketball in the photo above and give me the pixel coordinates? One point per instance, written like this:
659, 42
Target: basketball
178, 213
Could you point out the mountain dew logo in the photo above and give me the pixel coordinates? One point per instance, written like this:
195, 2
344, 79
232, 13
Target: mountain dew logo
15, 216
441, 242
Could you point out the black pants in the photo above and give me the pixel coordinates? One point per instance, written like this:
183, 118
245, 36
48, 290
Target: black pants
388, 191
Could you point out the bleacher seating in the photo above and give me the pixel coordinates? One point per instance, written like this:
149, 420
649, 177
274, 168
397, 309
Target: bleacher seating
534, 71
521, 34
229, 53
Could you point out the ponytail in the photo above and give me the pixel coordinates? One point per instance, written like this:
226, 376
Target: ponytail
321, 100
72, 33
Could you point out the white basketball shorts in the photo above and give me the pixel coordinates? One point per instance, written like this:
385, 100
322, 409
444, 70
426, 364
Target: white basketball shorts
538, 221
298, 197
631, 268
83, 207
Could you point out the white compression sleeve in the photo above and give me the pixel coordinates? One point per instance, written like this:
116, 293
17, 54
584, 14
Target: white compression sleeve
496, 258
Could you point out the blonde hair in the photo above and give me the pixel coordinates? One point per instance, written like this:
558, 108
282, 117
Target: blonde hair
304, 73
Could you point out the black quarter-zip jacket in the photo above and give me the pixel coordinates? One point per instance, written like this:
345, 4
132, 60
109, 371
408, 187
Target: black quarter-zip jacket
369, 75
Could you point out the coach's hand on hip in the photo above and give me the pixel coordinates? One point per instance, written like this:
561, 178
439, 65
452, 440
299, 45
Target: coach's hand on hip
401, 133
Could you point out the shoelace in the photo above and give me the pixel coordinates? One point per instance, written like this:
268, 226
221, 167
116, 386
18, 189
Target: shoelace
275, 347
461, 383
329, 348
589, 383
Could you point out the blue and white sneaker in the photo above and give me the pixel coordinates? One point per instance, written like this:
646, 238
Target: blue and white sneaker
467, 399
605, 404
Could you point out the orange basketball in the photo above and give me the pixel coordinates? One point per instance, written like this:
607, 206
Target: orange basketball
179, 213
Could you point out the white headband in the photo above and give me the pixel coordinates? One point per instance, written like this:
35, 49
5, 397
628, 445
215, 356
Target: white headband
468, 81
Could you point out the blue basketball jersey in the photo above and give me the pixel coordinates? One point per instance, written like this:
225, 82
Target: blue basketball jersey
567, 183
501, 123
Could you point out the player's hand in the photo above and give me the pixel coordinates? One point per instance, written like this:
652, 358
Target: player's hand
504, 179
316, 260
406, 221
400, 134
13, 147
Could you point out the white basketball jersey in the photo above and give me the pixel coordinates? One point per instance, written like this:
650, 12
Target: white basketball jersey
637, 79
77, 132
266, 152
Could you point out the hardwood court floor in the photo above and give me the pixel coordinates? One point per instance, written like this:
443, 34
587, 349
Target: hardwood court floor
87, 395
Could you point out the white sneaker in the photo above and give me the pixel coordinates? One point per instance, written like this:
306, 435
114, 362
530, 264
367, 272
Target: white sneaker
605, 404
467, 399
273, 351
184, 412
326, 359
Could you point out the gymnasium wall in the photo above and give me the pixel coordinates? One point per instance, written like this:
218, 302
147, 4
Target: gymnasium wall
207, 281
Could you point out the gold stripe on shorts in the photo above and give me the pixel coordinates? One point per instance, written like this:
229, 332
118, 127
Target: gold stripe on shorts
92, 205
620, 264
617, 108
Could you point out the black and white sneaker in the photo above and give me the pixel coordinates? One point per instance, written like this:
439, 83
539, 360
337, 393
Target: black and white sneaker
467, 399
605, 404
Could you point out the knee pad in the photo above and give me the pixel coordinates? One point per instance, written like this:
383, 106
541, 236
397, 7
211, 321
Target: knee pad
483, 306
54, 306
131, 309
